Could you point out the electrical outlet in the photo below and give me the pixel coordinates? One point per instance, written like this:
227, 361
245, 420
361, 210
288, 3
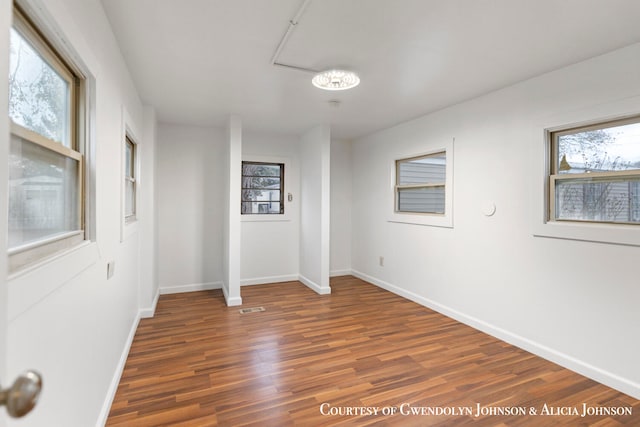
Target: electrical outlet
381, 261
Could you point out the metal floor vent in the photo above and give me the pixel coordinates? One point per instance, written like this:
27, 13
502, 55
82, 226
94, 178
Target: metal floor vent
251, 310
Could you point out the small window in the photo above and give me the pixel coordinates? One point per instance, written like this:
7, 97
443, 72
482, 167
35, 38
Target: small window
595, 173
262, 188
130, 184
46, 166
420, 184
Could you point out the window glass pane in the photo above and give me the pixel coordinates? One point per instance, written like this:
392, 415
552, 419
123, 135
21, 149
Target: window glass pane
38, 95
615, 148
43, 193
129, 198
268, 183
261, 207
253, 169
128, 160
425, 200
261, 195
598, 200
423, 170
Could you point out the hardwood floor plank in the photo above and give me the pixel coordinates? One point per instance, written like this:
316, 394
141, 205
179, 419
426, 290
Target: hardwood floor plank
312, 360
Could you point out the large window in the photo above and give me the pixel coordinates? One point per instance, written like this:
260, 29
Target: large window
130, 184
420, 184
262, 188
595, 173
45, 161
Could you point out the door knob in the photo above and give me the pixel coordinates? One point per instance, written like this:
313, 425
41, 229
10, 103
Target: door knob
22, 396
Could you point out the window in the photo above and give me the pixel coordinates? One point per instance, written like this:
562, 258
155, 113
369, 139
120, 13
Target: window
420, 184
595, 173
262, 188
130, 158
46, 165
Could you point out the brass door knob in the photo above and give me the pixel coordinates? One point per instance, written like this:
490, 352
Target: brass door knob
23, 395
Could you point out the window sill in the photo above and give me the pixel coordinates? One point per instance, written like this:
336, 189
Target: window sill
29, 286
430, 220
613, 234
129, 228
265, 218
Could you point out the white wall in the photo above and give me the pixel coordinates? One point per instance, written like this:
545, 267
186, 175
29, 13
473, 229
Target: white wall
149, 290
270, 246
573, 302
315, 151
190, 207
340, 262
65, 318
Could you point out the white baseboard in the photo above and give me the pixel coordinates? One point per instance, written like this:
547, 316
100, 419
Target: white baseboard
231, 302
269, 279
335, 273
117, 373
612, 380
314, 286
146, 313
190, 288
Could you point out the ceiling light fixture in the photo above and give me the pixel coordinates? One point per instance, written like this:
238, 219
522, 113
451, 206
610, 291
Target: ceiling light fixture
336, 80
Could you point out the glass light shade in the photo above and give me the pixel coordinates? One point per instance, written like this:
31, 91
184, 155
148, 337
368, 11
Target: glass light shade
336, 80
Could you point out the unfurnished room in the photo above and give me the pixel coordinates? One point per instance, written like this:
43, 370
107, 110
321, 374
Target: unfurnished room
320, 212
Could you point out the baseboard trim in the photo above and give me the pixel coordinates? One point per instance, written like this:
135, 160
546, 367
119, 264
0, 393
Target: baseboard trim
607, 378
335, 273
194, 287
231, 302
146, 313
117, 374
314, 286
269, 279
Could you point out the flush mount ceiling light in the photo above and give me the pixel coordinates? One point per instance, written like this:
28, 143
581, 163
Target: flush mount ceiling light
336, 80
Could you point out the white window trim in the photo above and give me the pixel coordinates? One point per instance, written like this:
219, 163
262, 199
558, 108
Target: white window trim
28, 286
32, 256
427, 219
287, 216
129, 226
621, 234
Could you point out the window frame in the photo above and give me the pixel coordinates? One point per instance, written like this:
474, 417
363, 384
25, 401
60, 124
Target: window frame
398, 188
539, 155
282, 176
554, 177
444, 220
130, 175
30, 253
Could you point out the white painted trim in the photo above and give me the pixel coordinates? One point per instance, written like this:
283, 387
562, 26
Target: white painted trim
128, 229
435, 220
314, 286
117, 374
539, 153
146, 313
268, 279
612, 380
336, 273
190, 288
231, 302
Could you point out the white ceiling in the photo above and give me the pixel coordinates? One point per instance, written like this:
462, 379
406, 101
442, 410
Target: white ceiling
197, 61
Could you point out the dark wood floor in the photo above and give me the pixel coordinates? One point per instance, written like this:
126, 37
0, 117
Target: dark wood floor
200, 363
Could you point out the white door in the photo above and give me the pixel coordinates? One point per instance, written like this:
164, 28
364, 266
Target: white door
3, 327
5, 14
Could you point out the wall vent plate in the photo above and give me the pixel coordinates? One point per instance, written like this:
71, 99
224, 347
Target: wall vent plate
251, 310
